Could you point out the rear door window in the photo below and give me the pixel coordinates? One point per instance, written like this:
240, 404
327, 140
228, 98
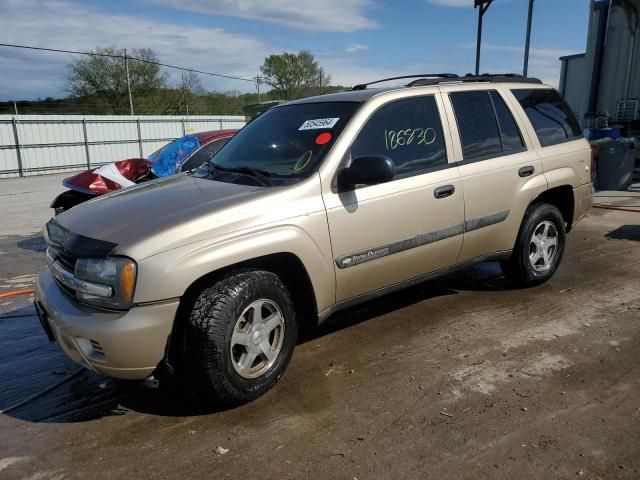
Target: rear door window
487, 128
550, 116
409, 131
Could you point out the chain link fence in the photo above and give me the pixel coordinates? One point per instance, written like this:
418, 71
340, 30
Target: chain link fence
41, 144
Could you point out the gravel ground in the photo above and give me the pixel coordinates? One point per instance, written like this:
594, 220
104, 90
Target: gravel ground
460, 377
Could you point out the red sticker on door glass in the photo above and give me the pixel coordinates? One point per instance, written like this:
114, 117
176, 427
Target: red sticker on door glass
323, 138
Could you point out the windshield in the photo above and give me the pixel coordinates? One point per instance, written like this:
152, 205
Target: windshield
286, 142
167, 160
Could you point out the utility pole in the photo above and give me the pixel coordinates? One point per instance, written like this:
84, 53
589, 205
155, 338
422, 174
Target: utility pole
525, 71
320, 81
482, 6
15, 107
258, 82
126, 68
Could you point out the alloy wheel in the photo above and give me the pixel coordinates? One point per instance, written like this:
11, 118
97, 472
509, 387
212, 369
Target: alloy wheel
257, 338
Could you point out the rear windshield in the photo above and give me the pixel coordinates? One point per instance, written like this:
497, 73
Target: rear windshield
288, 141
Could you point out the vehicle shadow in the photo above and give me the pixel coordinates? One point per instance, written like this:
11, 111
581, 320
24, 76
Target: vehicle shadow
35, 244
88, 396
625, 232
482, 277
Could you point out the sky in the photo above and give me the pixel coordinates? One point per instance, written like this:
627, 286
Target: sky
354, 40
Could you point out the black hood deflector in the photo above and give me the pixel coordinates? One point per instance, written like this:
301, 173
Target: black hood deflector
76, 245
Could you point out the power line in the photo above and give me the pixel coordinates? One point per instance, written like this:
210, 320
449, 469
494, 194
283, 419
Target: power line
74, 52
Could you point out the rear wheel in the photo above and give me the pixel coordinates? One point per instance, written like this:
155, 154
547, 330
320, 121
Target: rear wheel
240, 336
539, 247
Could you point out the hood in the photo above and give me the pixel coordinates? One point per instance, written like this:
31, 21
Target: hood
155, 216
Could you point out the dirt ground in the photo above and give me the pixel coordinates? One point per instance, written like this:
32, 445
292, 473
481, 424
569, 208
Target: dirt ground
457, 378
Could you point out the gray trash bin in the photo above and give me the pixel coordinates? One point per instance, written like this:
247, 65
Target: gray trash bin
616, 161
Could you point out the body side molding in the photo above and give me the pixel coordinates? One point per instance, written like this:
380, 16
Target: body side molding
398, 246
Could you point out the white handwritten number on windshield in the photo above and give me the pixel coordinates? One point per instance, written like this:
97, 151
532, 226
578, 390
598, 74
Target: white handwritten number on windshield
400, 138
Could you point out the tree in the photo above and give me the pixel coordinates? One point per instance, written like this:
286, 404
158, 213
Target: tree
293, 75
186, 97
104, 76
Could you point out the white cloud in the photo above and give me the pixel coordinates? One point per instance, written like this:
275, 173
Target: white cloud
344, 71
310, 15
355, 48
544, 62
67, 25
452, 3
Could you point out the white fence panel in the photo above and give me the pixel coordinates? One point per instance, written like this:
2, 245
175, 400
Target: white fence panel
59, 143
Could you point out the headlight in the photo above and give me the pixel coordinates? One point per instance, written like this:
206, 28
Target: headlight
119, 273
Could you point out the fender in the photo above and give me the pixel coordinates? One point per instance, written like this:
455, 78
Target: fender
529, 191
179, 268
559, 177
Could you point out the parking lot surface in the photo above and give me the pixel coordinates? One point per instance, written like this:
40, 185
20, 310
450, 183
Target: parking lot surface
460, 377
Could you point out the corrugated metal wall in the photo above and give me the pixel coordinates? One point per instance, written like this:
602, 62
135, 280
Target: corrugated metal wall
620, 78
620, 74
39, 144
573, 86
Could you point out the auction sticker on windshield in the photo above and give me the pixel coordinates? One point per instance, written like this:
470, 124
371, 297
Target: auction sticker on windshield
319, 123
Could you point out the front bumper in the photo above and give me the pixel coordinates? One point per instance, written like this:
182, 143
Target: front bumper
126, 345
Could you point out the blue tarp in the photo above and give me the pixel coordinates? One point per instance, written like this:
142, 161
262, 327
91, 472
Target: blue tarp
167, 161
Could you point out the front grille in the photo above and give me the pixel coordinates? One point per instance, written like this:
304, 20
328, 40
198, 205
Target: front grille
96, 346
68, 261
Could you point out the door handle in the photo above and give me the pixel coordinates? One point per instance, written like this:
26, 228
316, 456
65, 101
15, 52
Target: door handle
526, 171
444, 191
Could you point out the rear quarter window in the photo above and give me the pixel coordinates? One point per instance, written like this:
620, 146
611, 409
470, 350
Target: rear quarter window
551, 117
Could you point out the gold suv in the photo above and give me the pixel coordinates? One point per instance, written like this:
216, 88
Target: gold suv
315, 206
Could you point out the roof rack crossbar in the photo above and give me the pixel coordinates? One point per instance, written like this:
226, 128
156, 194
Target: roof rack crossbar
363, 86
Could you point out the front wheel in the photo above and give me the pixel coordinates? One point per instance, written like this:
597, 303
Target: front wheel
539, 247
240, 336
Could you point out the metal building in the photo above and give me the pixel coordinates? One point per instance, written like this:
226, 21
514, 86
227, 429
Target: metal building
606, 79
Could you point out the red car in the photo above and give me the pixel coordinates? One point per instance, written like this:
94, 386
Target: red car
181, 155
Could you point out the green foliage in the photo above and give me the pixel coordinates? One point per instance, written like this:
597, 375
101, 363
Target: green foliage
162, 102
104, 77
292, 75
98, 86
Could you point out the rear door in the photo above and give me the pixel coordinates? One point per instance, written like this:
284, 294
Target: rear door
501, 172
388, 233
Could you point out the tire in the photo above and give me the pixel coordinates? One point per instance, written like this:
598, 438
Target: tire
225, 328
535, 259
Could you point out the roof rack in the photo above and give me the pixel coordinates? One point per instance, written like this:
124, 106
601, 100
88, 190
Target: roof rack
485, 77
424, 76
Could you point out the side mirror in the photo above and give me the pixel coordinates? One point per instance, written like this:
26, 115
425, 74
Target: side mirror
367, 170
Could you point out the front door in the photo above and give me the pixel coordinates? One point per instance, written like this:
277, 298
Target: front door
388, 233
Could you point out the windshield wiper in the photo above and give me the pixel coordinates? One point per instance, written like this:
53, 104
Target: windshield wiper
261, 175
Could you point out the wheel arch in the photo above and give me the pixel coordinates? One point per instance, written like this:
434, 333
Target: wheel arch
69, 199
286, 265
562, 198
